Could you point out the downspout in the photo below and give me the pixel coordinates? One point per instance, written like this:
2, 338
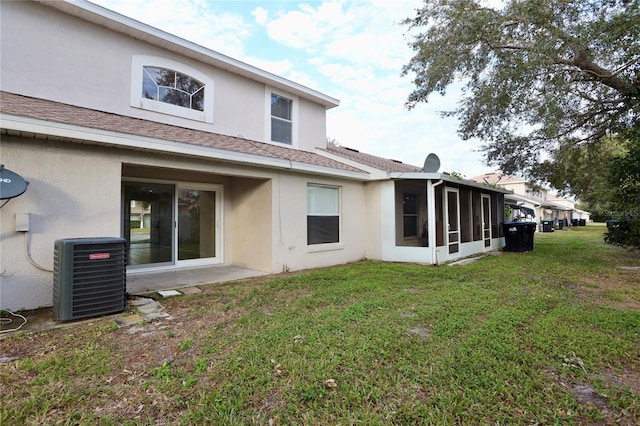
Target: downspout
431, 219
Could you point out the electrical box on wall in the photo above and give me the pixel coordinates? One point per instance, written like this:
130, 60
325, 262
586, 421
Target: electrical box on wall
22, 222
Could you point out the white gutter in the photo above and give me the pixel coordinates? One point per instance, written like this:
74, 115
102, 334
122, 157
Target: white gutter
446, 178
66, 131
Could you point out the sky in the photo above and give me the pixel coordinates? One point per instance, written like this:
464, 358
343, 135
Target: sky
352, 50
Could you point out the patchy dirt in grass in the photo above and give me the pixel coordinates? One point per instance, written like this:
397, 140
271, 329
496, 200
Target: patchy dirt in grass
621, 290
594, 394
628, 378
421, 332
141, 356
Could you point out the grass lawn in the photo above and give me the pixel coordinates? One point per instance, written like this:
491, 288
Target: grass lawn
546, 337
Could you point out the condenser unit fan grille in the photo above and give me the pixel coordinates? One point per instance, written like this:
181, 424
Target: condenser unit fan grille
89, 277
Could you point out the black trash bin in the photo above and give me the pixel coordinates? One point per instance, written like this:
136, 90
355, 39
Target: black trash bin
518, 236
547, 225
574, 222
612, 224
560, 224
583, 222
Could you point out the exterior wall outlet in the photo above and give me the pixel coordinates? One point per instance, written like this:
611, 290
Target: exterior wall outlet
22, 222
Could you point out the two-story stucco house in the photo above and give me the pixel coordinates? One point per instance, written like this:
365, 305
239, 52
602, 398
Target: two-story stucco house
196, 159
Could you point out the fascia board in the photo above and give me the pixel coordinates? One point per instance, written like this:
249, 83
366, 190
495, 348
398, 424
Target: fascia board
447, 178
101, 16
65, 131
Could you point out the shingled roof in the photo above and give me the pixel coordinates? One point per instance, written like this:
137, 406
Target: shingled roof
41, 109
379, 163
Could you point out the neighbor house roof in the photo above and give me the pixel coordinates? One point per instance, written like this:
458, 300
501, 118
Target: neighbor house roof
494, 178
22, 114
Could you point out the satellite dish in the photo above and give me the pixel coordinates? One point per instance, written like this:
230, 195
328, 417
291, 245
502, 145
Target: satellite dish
11, 184
431, 163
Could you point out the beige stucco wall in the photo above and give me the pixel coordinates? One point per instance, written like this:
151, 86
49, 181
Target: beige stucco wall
69, 195
290, 248
75, 191
249, 222
373, 221
72, 61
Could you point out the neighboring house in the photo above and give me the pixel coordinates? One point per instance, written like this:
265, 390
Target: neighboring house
545, 205
197, 160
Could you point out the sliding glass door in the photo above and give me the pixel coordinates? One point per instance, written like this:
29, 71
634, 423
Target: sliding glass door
171, 224
196, 224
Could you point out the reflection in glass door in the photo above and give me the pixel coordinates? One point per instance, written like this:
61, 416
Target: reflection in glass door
167, 224
148, 224
196, 224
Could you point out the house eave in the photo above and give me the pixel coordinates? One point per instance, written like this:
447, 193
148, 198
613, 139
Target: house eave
447, 178
25, 126
99, 15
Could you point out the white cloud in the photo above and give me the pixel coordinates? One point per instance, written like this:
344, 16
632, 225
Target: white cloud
261, 15
192, 20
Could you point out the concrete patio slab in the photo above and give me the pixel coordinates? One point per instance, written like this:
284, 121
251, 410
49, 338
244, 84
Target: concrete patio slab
146, 282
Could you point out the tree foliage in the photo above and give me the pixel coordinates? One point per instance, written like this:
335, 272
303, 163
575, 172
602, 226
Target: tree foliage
546, 81
587, 173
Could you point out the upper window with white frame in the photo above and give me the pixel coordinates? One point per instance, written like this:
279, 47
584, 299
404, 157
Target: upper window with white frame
281, 119
169, 87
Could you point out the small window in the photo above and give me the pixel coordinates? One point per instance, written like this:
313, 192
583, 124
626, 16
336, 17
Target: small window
172, 87
281, 119
323, 214
410, 211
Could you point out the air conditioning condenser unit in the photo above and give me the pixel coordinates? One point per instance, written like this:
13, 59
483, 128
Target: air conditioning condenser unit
89, 277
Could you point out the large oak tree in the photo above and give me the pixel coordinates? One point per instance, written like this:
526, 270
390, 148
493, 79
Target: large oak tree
544, 80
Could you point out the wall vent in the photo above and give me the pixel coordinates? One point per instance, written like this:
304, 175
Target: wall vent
89, 277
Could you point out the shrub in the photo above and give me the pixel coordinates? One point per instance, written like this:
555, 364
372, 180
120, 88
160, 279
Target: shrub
626, 232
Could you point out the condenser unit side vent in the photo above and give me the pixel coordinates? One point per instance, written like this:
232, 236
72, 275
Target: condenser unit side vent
89, 277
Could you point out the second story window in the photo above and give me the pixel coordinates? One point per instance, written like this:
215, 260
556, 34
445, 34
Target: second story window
281, 119
172, 87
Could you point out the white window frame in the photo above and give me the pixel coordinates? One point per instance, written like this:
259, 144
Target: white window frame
187, 263
139, 101
333, 244
294, 116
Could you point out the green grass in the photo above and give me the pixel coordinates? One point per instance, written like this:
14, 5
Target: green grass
509, 339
